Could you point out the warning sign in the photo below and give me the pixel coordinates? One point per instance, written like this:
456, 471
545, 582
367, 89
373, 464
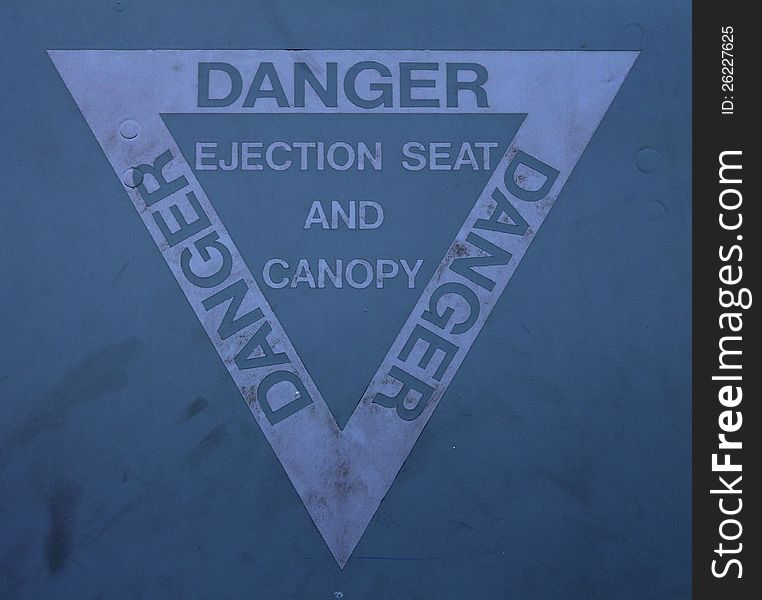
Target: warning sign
525, 118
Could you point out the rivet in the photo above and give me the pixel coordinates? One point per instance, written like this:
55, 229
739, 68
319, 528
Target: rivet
129, 129
647, 159
132, 178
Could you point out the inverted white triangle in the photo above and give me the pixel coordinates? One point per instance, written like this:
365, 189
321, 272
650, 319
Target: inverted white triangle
342, 476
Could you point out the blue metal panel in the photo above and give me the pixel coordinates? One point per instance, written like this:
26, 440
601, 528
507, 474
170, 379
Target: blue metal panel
556, 465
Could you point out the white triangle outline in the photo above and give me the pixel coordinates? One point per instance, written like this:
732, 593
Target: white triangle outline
342, 476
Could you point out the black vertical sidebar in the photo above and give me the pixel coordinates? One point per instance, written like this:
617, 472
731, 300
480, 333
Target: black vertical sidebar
727, 558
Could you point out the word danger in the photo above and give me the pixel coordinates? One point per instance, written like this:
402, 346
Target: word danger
444, 322
367, 84
224, 296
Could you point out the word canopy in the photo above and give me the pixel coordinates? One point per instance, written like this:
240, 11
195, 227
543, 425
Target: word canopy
342, 475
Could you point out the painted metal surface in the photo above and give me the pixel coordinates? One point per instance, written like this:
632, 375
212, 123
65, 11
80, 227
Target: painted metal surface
342, 475
341, 467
